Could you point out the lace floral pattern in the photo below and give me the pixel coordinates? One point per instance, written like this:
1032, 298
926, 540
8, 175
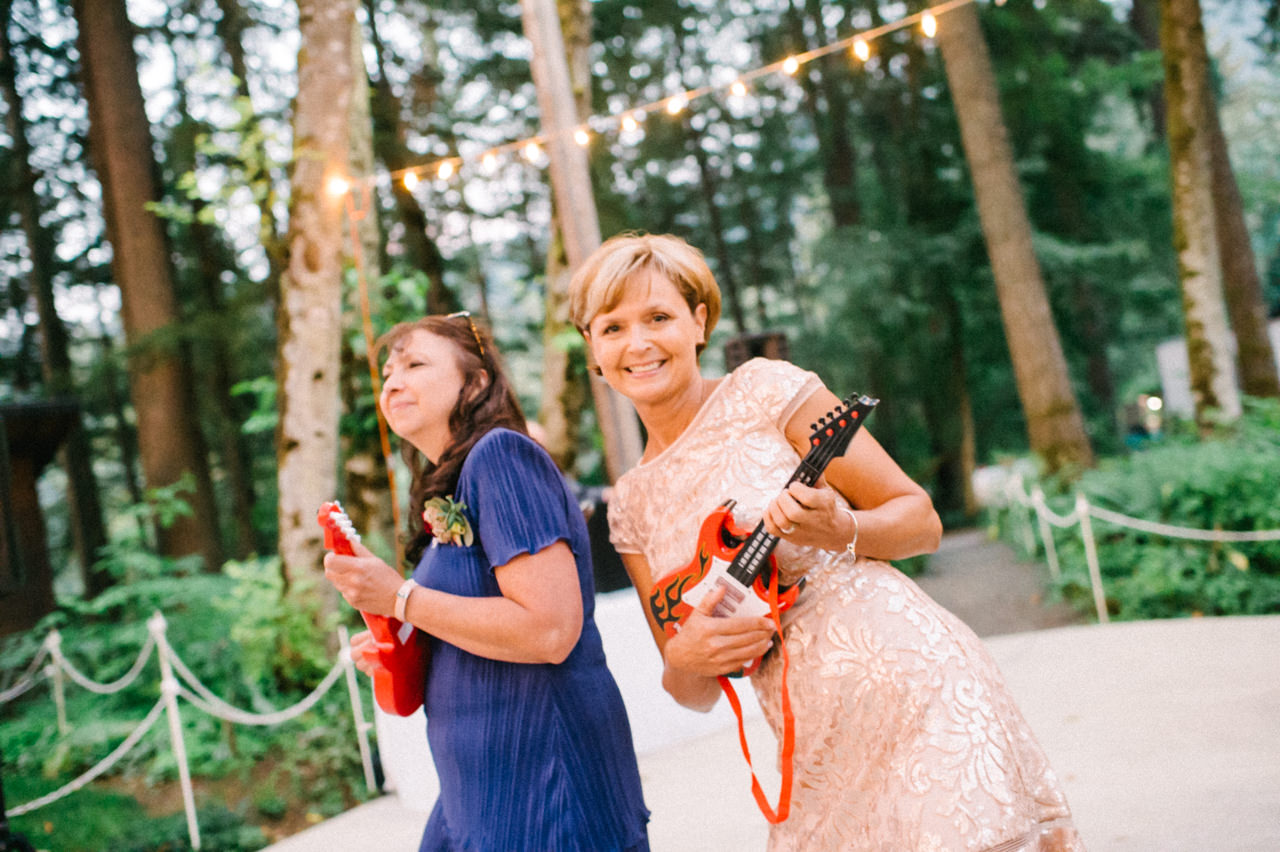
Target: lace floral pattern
906, 736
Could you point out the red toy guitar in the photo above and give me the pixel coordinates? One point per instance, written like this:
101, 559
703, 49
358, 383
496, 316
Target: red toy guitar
743, 563
399, 653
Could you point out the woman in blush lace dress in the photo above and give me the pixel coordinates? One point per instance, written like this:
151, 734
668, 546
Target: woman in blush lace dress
906, 737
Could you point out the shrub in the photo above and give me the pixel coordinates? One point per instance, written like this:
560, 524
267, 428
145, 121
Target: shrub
1228, 481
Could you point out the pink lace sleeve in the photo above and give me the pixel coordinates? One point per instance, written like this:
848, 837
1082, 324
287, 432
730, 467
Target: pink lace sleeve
623, 534
779, 387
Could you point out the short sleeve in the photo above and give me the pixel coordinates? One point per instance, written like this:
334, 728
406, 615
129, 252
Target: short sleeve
779, 388
623, 534
517, 497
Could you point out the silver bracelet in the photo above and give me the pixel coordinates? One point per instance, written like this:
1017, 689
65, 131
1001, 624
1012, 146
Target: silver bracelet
852, 546
402, 597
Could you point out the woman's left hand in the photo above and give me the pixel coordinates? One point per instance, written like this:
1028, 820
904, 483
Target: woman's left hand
809, 517
364, 580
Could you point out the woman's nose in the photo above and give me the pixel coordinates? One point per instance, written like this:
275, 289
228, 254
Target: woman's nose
638, 336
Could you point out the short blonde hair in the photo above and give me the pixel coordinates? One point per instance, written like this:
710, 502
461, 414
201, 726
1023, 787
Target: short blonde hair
600, 282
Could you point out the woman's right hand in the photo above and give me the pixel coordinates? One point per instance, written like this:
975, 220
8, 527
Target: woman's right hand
709, 646
360, 643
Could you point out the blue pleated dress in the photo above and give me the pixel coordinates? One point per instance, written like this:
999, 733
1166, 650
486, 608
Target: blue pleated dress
533, 757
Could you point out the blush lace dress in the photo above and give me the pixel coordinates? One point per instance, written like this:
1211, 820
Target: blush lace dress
907, 739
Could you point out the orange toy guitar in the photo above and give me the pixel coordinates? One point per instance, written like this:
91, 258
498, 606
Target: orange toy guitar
399, 653
743, 563
744, 566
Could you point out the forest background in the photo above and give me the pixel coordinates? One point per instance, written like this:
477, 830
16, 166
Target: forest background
185, 294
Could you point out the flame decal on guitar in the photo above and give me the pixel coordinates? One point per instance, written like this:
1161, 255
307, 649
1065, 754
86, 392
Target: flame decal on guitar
399, 653
742, 561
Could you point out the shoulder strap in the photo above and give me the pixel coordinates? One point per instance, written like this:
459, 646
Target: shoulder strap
787, 756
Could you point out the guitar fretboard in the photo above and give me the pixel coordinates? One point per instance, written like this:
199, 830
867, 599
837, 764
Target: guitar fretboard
755, 552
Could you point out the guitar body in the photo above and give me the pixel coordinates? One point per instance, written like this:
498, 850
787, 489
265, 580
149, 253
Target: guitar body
739, 561
400, 652
675, 595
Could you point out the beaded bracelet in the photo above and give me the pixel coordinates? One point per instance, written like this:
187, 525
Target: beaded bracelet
852, 546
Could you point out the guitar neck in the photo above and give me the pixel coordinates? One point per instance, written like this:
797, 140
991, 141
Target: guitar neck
755, 552
753, 558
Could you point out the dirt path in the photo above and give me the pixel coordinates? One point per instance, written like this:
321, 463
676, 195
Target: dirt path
984, 583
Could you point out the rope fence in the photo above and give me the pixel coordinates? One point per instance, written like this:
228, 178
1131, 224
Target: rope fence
176, 681
1084, 513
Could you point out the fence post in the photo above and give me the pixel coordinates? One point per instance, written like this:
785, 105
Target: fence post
1046, 532
169, 689
54, 672
1091, 556
357, 709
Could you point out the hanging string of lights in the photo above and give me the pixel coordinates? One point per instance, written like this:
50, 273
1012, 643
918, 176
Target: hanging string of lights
630, 120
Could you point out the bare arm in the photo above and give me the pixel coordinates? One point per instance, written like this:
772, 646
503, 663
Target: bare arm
704, 647
537, 619
895, 517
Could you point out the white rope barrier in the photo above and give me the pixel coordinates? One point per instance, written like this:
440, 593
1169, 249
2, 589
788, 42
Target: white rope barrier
123, 682
176, 680
28, 678
1083, 513
1170, 531
99, 768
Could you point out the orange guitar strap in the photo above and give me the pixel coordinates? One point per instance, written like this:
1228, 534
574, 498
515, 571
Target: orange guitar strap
788, 727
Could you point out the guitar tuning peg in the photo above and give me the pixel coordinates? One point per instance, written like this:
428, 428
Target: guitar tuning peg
813, 427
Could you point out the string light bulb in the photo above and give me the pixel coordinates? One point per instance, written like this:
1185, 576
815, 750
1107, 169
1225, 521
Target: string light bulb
632, 120
337, 186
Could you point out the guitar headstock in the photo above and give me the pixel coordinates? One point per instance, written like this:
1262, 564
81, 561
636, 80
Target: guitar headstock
833, 432
339, 532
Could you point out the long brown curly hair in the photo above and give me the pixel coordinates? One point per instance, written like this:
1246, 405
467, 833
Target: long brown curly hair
482, 405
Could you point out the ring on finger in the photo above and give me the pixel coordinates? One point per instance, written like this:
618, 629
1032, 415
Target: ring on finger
788, 529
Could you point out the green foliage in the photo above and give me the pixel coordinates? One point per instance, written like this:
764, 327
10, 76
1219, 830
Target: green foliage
242, 636
1225, 482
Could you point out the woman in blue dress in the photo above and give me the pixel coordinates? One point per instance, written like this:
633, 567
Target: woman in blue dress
526, 725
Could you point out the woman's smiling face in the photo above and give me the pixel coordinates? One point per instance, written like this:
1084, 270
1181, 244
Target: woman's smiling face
646, 345
420, 387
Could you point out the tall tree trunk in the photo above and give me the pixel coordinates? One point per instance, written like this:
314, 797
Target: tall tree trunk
564, 388
1054, 421
828, 108
571, 191
311, 288
230, 28
366, 487
223, 411
1144, 20
420, 251
1186, 68
120, 145
1242, 286
88, 532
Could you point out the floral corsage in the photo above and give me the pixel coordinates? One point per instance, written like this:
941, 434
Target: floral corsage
447, 521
